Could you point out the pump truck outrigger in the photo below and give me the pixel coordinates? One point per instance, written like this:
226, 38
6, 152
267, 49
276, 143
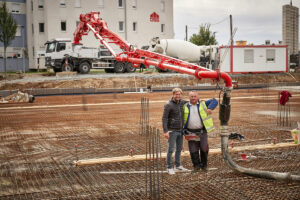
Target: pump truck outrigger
92, 22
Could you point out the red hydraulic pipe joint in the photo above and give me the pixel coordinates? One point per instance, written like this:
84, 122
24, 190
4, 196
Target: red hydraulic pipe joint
214, 75
118, 58
135, 60
160, 65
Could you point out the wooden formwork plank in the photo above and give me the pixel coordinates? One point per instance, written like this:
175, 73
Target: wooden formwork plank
186, 153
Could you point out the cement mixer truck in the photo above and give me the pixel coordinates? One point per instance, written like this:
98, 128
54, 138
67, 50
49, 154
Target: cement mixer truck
206, 56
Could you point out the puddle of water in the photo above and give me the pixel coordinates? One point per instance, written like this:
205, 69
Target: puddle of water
289, 88
274, 113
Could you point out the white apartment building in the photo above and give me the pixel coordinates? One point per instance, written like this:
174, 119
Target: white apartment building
130, 19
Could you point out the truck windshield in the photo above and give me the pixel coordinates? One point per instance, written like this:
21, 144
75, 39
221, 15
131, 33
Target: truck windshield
50, 47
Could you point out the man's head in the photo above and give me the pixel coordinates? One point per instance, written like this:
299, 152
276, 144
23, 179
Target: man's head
177, 92
193, 97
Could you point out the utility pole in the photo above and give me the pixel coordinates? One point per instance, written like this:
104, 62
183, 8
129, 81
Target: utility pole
231, 39
23, 52
231, 45
125, 18
186, 33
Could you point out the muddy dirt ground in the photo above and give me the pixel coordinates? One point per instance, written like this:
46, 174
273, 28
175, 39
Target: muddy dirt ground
40, 142
139, 80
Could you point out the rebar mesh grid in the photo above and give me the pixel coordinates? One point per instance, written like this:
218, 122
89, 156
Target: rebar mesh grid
40, 142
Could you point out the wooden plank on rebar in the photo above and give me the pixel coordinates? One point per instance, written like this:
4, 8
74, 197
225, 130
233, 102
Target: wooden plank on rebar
186, 153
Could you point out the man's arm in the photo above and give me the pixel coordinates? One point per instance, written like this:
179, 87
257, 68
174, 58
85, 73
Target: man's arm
165, 118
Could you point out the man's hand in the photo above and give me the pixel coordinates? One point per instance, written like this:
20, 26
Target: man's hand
209, 111
166, 134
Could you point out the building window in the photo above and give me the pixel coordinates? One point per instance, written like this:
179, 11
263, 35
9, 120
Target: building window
270, 55
100, 3
133, 3
31, 5
32, 29
134, 26
18, 33
63, 25
248, 56
77, 23
61, 47
41, 27
16, 8
77, 3
120, 3
121, 26
62, 3
41, 4
162, 28
162, 6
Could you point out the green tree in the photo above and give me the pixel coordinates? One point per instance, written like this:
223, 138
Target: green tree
204, 37
8, 29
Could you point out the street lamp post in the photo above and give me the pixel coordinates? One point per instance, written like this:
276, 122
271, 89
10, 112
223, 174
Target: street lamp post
23, 49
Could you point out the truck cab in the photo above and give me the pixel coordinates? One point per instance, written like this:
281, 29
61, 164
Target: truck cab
56, 50
80, 58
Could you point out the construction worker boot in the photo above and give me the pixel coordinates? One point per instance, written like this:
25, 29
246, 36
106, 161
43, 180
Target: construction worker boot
196, 161
203, 163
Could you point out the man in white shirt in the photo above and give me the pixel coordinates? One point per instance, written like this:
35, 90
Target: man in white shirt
197, 123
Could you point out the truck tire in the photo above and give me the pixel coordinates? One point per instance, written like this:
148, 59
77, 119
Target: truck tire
119, 67
84, 67
129, 68
68, 68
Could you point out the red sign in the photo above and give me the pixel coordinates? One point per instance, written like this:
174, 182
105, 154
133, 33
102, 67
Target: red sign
154, 17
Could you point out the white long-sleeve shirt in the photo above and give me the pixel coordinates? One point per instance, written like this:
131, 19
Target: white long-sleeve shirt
194, 120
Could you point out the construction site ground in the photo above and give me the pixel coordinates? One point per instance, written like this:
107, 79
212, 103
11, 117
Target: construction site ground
40, 142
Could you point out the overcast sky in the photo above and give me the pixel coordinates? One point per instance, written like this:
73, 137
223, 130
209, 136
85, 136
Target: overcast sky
256, 20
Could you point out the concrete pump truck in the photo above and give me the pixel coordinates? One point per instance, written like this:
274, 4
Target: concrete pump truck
129, 54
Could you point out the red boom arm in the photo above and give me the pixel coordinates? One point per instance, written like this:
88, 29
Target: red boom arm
93, 22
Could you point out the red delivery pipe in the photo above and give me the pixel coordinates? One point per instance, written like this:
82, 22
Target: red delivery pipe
197, 73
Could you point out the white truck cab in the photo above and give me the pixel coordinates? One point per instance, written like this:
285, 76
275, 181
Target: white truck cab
81, 58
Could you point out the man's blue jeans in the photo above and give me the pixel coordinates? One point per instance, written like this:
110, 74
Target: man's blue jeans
174, 143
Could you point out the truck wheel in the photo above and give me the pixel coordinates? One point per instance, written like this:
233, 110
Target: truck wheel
129, 68
68, 68
84, 68
119, 67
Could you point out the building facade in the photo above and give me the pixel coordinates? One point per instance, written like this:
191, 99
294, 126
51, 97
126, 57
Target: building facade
136, 21
290, 30
16, 53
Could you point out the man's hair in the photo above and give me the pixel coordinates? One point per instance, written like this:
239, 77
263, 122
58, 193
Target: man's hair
193, 91
176, 90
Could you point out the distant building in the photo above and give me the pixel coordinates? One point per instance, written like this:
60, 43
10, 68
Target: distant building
136, 21
16, 53
290, 24
254, 59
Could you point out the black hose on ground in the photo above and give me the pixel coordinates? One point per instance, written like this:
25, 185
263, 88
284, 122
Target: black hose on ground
224, 116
